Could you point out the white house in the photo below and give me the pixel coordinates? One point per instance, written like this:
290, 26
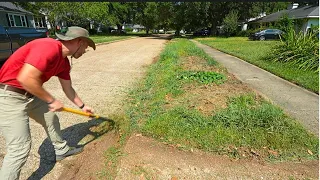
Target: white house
307, 16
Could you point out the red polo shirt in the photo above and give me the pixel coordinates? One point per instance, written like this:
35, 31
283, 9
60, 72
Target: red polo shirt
45, 54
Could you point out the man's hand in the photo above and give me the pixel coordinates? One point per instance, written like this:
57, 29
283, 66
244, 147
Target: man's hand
87, 109
56, 105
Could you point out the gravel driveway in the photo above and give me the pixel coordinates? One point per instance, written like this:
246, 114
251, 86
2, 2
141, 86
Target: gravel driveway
101, 78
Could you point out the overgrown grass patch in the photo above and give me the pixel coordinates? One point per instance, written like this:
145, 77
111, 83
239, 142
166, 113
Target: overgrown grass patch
244, 125
248, 126
257, 53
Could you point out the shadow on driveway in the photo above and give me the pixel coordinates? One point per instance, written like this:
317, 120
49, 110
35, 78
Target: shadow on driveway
73, 134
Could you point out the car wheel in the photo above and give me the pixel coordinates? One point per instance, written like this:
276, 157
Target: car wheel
262, 38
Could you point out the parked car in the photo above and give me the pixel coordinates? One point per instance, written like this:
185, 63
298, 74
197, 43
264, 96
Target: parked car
266, 34
12, 38
201, 32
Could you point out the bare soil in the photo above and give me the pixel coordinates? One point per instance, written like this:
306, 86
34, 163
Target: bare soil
146, 158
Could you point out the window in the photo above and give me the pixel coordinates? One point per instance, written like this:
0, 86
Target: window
38, 21
16, 20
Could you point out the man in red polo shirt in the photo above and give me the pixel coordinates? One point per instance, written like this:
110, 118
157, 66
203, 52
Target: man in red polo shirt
22, 95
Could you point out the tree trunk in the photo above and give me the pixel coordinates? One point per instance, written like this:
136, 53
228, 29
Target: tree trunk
119, 26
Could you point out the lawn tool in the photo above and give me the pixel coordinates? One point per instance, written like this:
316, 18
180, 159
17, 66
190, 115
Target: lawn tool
81, 113
99, 126
74, 111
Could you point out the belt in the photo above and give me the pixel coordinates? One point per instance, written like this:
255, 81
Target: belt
17, 90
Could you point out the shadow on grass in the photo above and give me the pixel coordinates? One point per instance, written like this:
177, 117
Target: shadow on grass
73, 135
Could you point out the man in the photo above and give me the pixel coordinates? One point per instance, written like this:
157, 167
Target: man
22, 95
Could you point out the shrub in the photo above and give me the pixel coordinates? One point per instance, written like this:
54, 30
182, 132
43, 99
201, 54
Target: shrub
298, 49
51, 32
248, 32
128, 29
92, 31
243, 33
285, 24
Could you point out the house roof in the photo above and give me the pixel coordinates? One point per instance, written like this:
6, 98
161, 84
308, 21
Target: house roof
12, 7
297, 13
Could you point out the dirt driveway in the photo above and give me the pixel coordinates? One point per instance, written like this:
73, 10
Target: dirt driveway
101, 78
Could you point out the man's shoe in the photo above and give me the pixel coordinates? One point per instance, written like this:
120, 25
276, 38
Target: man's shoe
72, 151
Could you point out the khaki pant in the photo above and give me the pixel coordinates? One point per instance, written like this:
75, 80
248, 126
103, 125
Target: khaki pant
15, 110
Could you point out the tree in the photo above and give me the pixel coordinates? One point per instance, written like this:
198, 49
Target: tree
175, 15
118, 14
285, 24
164, 20
146, 15
197, 15
179, 16
230, 23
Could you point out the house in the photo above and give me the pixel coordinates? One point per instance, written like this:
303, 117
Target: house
12, 15
137, 28
244, 24
305, 17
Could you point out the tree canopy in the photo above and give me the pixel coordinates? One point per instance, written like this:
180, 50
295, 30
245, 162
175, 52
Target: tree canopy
153, 15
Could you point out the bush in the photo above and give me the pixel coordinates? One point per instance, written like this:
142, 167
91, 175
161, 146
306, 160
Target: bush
243, 33
105, 30
248, 32
298, 49
92, 31
285, 24
128, 29
52, 32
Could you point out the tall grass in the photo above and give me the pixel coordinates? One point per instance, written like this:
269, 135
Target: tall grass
247, 123
299, 49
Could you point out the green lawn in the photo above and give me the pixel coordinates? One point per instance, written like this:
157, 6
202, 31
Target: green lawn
102, 39
256, 52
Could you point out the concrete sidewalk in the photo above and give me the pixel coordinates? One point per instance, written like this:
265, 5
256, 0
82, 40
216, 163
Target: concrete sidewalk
294, 100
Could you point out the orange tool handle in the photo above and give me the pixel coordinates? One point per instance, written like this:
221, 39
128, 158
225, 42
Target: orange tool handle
79, 112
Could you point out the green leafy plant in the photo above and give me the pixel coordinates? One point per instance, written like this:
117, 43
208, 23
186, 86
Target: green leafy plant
285, 23
202, 77
298, 49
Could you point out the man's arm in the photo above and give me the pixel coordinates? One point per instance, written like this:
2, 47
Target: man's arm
70, 92
30, 79
73, 96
